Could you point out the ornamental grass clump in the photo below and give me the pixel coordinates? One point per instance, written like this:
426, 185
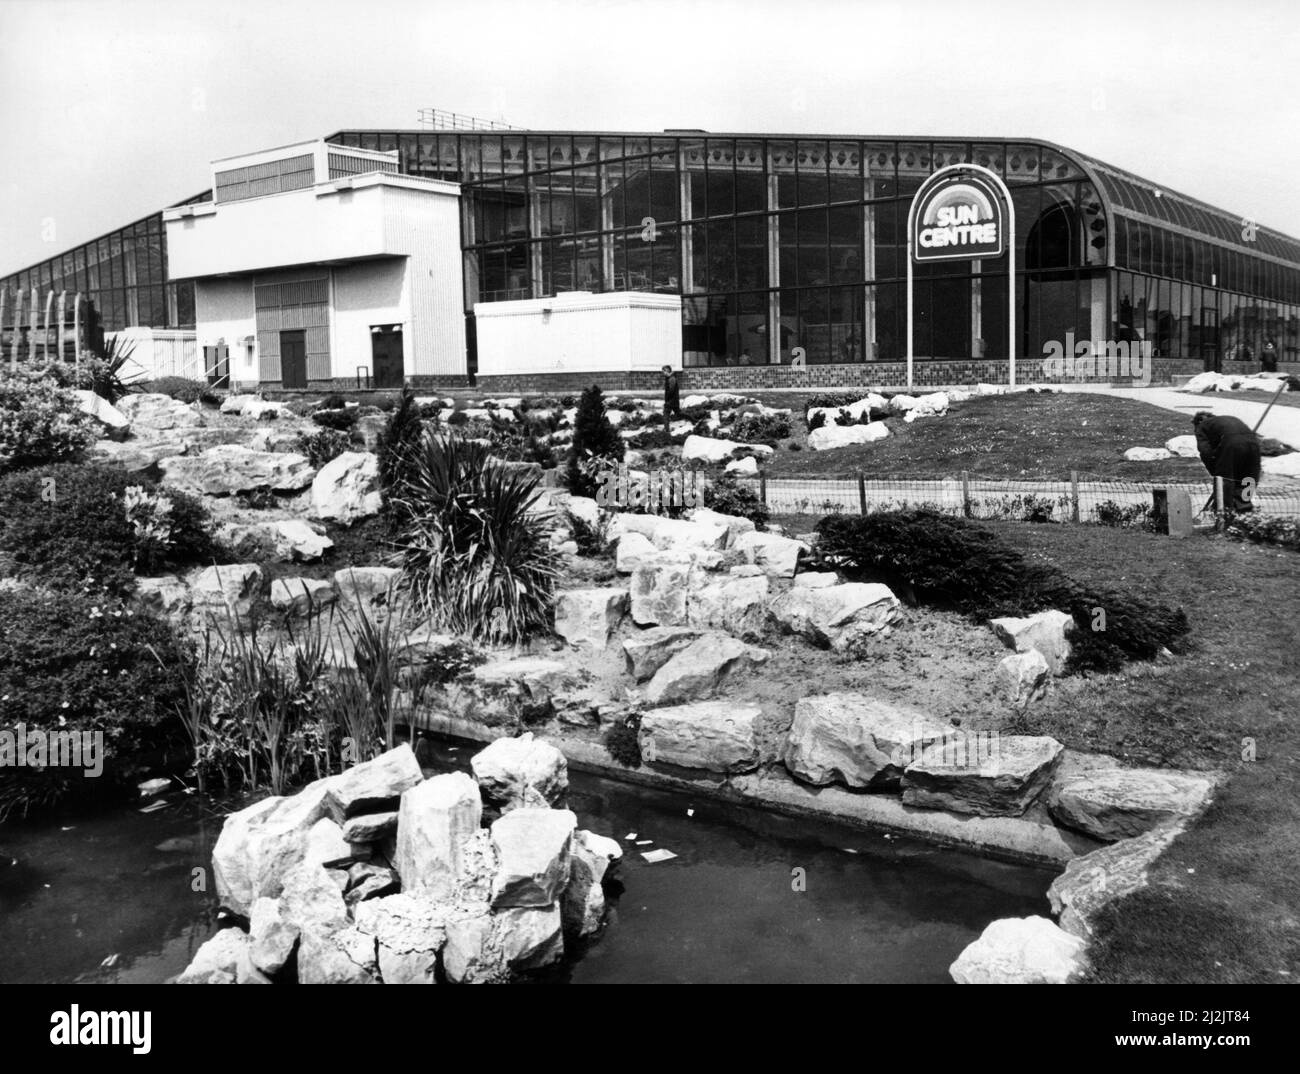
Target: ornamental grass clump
475, 551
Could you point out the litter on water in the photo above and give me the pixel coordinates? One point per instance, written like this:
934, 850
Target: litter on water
153, 807
653, 856
630, 836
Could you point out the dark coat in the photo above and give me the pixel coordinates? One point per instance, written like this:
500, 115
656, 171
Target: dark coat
1230, 450
672, 397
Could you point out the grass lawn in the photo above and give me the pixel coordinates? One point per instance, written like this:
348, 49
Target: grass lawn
1027, 435
1223, 904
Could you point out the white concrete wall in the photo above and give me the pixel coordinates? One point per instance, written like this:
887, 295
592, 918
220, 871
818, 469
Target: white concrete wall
365, 294
224, 313
580, 333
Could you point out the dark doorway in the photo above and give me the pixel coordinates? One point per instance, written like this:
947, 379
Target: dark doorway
217, 361
1210, 355
293, 359
386, 355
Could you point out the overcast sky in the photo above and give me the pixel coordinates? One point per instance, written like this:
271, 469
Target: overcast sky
111, 109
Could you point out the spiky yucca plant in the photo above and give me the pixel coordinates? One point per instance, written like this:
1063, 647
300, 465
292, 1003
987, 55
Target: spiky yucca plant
476, 558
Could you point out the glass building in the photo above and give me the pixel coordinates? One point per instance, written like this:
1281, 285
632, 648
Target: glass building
782, 242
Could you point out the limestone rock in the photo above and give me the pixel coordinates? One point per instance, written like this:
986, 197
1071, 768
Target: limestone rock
1183, 447
839, 617
1117, 803
136, 456
1147, 454
649, 650
736, 605
232, 589
296, 541
703, 667
1093, 880
816, 579
746, 467
632, 550
326, 845
1004, 775
671, 534
372, 587
521, 772
346, 956
347, 488
165, 595
1023, 677
368, 880
828, 437
271, 937
585, 509
529, 938
533, 848
101, 410
659, 591
226, 469
777, 555
311, 900
259, 845
374, 785
589, 616
297, 596
583, 905
370, 827
718, 736
435, 820
1029, 950
860, 741
735, 524
217, 960
1045, 631
409, 933
153, 412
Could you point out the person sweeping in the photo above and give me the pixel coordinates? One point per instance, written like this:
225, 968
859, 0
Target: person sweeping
1229, 449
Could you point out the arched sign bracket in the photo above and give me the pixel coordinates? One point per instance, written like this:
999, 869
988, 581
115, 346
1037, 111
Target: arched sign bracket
978, 222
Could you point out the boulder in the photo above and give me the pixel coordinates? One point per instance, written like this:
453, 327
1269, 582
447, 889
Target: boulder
371, 429
735, 524
1002, 779
409, 933
532, 848
702, 668
838, 617
1045, 631
585, 509
735, 605
258, 844
649, 650
311, 900
216, 961
373, 786
718, 736
817, 579
251, 406
101, 410
271, 937
298, 596
674, 534
712, 450
746, 467
274, 440
1147, 454
1029, 950
523, 772
370, 827
860, 741
296, 541
165, 595
233, 589
1117, 803
1093, 880
136, 456
368, 880
326, 845
1183, 447
582, 907
1281, 466
347, 488
345, 956
226, 469
659, 590
870, 402
529, 938
589, 616
371, 587
435, 820
777, 555
632, 550
1023, 677
829, 437
153, 412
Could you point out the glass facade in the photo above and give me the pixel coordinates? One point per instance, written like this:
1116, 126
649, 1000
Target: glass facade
778, 243
123, 273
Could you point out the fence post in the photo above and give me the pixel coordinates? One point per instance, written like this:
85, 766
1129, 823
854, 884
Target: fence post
762, 488
1218, 503
862, 492
1074, 495
965, 494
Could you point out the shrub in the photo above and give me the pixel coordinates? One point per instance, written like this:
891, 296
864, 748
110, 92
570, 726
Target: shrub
478, 560
726, 495
593, 438
458, 417
817, 420
1265, 529
320, 447
1124, 516
71, 527
622, 743
762, 429
341, 420
397, 444
69, 662
40, 423
593, 541
332, 402
183, 389
651, 438
950, 560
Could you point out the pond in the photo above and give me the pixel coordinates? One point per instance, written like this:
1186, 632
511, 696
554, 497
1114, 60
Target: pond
749, 897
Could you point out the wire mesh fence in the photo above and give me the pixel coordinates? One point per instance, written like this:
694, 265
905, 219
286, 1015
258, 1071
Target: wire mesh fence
1081, 500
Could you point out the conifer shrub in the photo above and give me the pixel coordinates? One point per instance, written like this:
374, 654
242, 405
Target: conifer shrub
594, 438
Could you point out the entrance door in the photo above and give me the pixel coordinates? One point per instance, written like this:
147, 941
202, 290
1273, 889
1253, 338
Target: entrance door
293, 359
1210, 338
386, 355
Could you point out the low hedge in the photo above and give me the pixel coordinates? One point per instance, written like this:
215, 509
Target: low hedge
952, 561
